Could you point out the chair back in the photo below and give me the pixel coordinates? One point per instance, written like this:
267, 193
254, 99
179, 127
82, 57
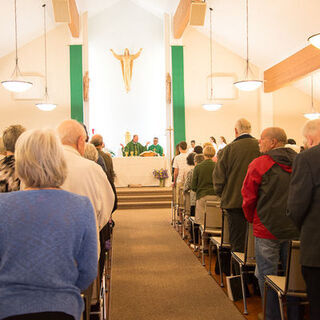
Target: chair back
249, 251
225, 234
212, 215
295, 283
181, 198
187, 203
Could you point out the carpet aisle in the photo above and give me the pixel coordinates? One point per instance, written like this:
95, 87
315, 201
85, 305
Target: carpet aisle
155, 276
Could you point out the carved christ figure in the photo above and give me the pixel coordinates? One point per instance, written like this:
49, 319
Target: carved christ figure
126, 65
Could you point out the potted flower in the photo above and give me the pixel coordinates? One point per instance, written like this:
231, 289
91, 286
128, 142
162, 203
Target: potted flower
161, 174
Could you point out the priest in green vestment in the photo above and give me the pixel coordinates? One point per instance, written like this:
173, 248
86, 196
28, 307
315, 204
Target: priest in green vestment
133, 148
155, 147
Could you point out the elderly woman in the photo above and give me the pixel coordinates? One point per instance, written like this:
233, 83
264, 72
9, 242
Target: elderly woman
202, 183
48, 239
8, 179
188, 181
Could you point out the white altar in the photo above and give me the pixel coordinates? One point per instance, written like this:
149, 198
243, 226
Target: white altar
138, 170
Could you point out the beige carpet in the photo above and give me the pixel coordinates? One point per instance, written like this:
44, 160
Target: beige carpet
155, 276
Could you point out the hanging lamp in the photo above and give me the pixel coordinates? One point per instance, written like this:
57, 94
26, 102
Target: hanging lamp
211, 106
16, 83
45, 105
313, 114
247, 84
315, 40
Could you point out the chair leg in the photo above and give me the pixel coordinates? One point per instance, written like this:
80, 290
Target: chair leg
193, 235
202, 250
245, 310
281, 306
265, 299
210, 255
220, 267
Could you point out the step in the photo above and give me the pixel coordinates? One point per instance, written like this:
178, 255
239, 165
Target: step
143, 191
143, 205
144, 198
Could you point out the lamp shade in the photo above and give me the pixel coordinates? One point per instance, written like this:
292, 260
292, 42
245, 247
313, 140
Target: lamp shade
312, 115
211, 106
46, 106
315, 40
248, 85
16, 85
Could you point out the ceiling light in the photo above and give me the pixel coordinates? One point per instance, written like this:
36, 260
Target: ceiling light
313, 114
315, 40
16, 83
45, 105
247, 84
211, 106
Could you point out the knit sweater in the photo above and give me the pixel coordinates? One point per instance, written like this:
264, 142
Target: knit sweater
48, 251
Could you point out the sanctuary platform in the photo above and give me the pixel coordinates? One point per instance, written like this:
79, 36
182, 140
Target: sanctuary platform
144, 198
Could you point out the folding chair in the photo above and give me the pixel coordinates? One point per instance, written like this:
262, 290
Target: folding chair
212, 223
221, 243
292, 284
246, 261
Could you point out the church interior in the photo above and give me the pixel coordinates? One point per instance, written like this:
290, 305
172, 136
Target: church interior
144, 76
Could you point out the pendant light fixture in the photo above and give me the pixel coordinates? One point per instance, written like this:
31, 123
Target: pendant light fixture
45, 105
315, 40
211, 106
247, 84
16, 83
313, 114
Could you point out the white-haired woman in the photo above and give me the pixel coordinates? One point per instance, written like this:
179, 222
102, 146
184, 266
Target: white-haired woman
48, 240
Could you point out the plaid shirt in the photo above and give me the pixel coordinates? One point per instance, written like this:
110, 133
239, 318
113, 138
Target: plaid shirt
8, 180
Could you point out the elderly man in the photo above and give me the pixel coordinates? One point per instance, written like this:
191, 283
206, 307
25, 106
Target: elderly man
228, 177
8, 179
134, 148
155, 147
97, 141
265, 193
85, 177
304, 210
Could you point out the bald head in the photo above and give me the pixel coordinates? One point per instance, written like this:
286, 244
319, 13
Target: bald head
97, 141
72, 133
311, 133
242, 126
272, 138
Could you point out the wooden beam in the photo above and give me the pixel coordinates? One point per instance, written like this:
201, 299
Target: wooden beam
66, 11
181, 18
292, 69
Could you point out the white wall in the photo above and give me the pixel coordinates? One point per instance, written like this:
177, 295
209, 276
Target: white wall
143, 109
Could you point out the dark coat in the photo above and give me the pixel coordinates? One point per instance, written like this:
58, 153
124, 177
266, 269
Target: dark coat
304, 204
231, 170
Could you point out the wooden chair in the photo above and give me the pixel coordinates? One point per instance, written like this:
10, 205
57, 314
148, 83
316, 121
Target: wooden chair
246, 261
212, 223
292, 284
222, 244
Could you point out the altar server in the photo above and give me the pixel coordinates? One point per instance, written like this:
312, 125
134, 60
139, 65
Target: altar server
155, 147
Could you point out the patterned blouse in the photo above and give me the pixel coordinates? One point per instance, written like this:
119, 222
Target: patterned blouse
8, 180
187, 187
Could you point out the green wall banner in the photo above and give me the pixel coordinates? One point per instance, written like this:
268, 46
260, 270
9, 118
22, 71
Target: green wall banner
179, 122
76, 82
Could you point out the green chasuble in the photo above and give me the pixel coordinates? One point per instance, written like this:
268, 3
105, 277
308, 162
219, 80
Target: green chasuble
156, 148
136, 148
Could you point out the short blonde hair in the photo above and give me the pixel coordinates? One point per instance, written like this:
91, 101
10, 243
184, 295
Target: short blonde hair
90, 152
243, 126
209, 151
40, 161
311, 128
207, 144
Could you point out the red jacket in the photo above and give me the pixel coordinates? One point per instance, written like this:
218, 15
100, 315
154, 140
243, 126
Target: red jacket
265, 193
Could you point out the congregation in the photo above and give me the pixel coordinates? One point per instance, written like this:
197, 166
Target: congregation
263, 183
58, 195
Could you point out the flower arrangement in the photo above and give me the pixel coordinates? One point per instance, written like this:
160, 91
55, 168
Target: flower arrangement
160, 174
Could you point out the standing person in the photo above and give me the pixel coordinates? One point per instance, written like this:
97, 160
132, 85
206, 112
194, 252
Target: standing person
222, 143
48, 241
304, 209
213, 141
188, 183
265, 194
228, 177
8, 179
192, 145
155, 147
134, 148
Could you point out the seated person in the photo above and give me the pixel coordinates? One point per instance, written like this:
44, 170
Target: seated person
155, 147
48, 236
133, 148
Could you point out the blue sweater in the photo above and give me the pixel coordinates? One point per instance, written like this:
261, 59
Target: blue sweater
48, 251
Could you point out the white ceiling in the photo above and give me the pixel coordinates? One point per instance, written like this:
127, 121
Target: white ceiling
277, 29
